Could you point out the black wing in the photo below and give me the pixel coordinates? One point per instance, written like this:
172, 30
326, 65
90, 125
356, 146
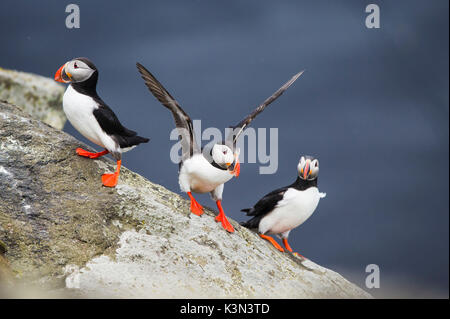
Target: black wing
182, 120
239, 128
266, 204
109, 123
263, 207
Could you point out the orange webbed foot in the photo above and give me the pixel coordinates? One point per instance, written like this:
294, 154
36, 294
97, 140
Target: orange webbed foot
288, 248
223, 219
272, 241
196, 208
225, 223
85, 153
110, 180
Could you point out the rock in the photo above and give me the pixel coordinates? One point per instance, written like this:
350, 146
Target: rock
65, 232
6, 275
39, 96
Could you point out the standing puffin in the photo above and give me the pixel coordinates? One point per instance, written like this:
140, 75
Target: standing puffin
284, 209
92, 117
205, 170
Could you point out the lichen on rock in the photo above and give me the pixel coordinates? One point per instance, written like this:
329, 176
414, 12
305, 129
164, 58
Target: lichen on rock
64, 231
41, 97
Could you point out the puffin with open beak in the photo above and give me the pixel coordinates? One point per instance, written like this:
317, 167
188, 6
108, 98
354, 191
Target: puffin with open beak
288, 207
205, 170
88, 114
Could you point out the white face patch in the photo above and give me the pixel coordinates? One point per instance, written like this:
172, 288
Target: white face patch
311, 164
222, 155
78, 71
301, 164
314, 166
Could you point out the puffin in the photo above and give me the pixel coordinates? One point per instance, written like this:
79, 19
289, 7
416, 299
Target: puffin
286, 208
92, 117
205, 170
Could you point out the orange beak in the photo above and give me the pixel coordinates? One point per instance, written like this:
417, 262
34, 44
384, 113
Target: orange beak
306, 170
58, 75
237, 168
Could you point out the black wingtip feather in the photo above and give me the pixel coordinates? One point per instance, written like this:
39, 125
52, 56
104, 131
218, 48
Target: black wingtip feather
128, 141
143, 139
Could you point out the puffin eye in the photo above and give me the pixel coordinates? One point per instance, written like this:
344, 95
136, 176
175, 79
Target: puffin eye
317, 164
225, 152
75, 66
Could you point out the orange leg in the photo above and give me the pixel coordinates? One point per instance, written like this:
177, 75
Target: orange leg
223, 219
288, 247
272, 241
196, 208
110, 180
84, 153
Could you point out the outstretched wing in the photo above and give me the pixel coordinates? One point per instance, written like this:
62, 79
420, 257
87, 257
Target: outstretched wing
182, 120
239, 128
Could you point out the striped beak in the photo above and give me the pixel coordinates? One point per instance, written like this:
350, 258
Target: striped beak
306, 170
62, 76
235, 168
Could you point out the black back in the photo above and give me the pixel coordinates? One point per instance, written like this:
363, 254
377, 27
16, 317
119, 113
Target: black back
266, 204
104, 115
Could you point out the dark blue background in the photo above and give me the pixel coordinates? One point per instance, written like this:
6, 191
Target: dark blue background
372, 106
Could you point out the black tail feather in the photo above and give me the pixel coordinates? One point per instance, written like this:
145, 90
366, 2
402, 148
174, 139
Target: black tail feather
252, 223
128, 141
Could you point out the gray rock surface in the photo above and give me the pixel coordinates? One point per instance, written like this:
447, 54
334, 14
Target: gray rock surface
62, 231
39, 96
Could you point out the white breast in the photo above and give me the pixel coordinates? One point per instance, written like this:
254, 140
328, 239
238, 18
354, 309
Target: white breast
199, 176
292, 211
79, 111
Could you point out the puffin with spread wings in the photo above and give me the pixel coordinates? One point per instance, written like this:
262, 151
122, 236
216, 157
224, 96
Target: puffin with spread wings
206, 170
